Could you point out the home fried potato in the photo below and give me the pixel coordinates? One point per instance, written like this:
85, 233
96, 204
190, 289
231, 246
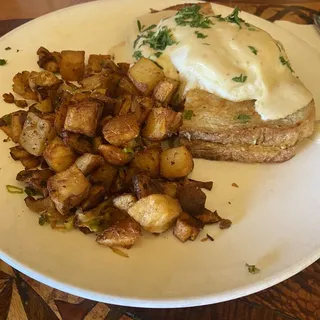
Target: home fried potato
18, 120
176, 163
89, 162
96, 196
96, 62
49, 60
208, 217
145, 75
79, 143
38, 205
21, 86
31, 162
187, 227
192, 199
127, 87
165, 90
105, 175
115, 155
72, 65
124, 201
18, 153
143, 185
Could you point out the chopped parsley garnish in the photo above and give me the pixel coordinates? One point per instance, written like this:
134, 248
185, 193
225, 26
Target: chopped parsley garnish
143, 35
286, 63
159, 40
14, 189
253, 49
150, 27
191, 16
234, 17
187, 114
127, 150
252, 268
241, 78
278, 44
158, 54
43, 219
200, 35
137, 54
139, 25
219, 17
243, 117
3, 62
7, 48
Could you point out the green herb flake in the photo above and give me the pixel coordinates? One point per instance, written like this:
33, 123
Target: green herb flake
253, 49
43, 219
158, 54
187, 114
139, 25
252, 268
286, 63
159, 40
137, 54
234, 17
127, 150
150, 27
30, 192
14, 189
3, 62
200, 35
243, 117
7, 48
219, 17
191, 16
241, 78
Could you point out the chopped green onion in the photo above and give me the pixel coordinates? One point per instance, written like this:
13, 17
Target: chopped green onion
243, 117
127, 150
187, 114
253, 49
241, 78
13, 189
252, 268
119, 252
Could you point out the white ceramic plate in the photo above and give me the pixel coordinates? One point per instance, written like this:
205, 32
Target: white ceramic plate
275, 211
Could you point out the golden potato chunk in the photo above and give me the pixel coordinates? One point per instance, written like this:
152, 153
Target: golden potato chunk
145, 75
123, 233
67, 189
127, 87
36, 133
165, 89
155, 213
21, 86
148, 160
186, 228
96, 196
18, 119
83, 117
176, 163
105, 175
143, 185
115, 155
72, 65
124, 201
43, 80
79, 143
161, 123
120, 130
97, 61
89, 162
59, 156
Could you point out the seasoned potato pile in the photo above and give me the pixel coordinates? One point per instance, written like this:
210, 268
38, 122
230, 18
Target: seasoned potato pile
100, 153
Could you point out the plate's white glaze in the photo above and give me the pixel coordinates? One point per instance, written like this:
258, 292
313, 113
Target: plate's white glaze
275, 211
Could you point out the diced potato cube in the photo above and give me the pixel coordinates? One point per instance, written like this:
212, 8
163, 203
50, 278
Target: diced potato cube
143, 185
120, 130
79, 143
89, 162
141, 107
145, 75
186, 228
176, 163
96, 196
115, 155
155, 213
124, 201
67, 189
97, 61
36, 134
59, 156
18, 119
96, 81
21, 86
83, 117
148, 160
105, 175
127, 87
72, 65
165, 90
161, 123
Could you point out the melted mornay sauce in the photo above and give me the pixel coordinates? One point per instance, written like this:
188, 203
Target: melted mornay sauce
214, 62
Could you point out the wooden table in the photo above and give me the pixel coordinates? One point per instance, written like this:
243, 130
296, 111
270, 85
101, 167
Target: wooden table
24, 298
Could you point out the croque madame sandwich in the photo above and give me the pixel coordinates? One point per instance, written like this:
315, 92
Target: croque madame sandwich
242, 99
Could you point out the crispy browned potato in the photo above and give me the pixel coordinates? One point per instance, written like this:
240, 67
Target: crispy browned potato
105, 175
96, 196
44, 106
120, 130
192, 199
124, 201
31, 162
49, 60
96, 81
123, 105
122, 234
18, 153
187, 227
127, 87
161, 123
89, 162
143, 185
79, 143
170, 189
97, 61
141, 107
201, 184
155, 213
21, 103
72, 65
18, 119
165, 90
145, 75
60, 117
68, 189
21, 86
38, 205
8, 97
115, 155
148, 160
208, 217
176, 163
36, 133
123, 68
41, 82
58, 155
83, 117
96, 142
225, 224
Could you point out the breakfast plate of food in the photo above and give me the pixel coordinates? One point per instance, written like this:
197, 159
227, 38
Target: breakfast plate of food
162, 157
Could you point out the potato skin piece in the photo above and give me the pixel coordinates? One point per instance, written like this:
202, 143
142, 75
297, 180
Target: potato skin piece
83, 117
120, 130
165, 89
187, 228
72, 65
59, 156
115, 155
176, 163
155, 213
145, 75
